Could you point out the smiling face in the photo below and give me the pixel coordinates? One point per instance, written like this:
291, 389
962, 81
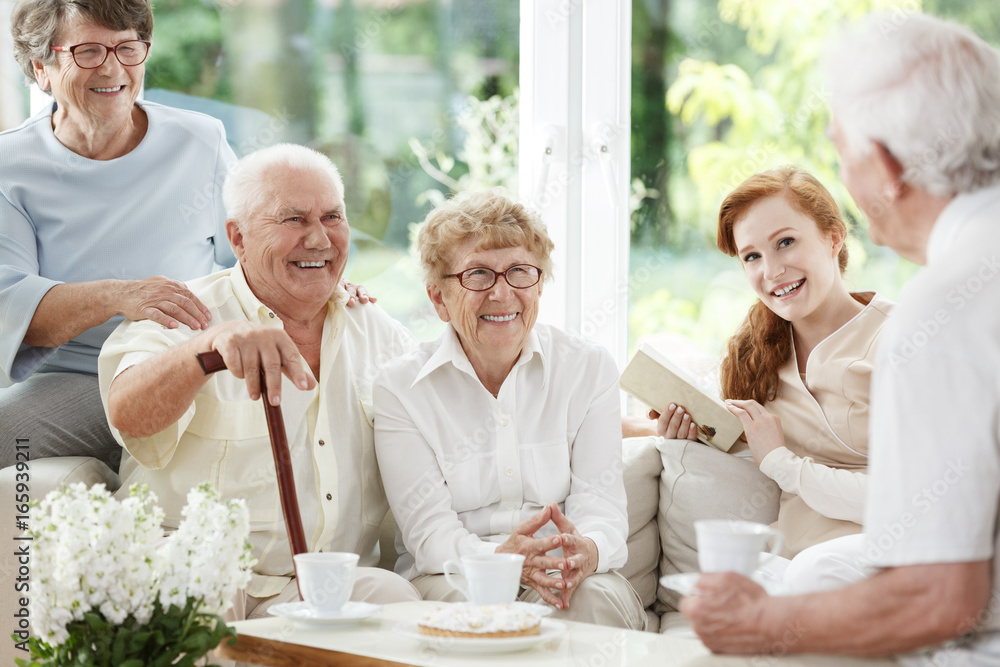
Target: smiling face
295, 249
493, 324
106, 93
789, 262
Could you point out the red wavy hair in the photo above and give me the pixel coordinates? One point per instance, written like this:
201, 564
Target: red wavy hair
763, 342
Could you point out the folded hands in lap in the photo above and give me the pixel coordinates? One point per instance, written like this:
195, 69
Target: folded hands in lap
579, 559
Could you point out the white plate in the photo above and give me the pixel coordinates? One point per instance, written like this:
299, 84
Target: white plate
684, 583
549, 630
351, 612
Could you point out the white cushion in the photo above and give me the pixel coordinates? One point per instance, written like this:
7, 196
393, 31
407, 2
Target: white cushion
701, 482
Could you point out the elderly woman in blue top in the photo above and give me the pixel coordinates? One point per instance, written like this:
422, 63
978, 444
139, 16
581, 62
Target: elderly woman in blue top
503, 435
106, 204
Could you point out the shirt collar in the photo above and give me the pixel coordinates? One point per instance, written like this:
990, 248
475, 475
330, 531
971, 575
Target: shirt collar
449, 350
952, 220
255, 310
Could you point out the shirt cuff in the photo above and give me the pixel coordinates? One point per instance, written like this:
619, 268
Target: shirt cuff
776, 464
603, 551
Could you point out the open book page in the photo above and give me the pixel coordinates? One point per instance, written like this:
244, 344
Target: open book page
656, 381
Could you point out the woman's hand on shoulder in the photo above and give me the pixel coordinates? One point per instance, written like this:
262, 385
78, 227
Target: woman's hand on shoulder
164, 300
763, 430
356, 293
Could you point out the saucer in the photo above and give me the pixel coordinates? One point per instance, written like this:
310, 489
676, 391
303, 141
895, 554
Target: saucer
548, 630
351, 612
684, 583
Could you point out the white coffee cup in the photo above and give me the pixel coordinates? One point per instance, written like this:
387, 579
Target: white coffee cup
734, 546
489, 578
326, 579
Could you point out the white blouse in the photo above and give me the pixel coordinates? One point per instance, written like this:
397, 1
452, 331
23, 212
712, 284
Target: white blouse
463, 468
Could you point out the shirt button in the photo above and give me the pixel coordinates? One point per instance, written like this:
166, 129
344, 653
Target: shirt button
504, 420
510, 506
329, 496
321, 443
271, 315
509, 471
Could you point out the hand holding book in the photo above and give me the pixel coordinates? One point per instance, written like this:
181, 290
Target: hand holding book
675, 423
659, 383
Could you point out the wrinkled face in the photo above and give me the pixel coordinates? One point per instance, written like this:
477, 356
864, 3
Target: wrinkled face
295, 249
789, 263
868, 184
107, 92
496, 322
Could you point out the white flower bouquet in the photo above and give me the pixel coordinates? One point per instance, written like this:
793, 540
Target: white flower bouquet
111, 589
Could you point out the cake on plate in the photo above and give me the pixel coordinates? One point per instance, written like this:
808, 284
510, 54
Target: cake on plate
488, 621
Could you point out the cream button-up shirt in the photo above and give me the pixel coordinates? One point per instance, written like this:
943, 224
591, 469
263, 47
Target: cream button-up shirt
222, 438
463, 468
824, 417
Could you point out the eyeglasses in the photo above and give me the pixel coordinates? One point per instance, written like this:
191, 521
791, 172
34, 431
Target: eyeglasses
92, 55
480, 279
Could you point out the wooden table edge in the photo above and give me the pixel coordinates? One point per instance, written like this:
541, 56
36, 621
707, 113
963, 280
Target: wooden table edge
285, 654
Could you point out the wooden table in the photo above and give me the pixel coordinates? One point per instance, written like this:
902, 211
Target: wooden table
373, 642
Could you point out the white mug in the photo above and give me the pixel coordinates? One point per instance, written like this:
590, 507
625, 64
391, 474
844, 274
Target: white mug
734, 546
489, 578
326, 579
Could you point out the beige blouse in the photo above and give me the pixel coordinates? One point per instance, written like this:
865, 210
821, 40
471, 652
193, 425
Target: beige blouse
824, 416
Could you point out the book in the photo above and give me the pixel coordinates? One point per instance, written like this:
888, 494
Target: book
656, 381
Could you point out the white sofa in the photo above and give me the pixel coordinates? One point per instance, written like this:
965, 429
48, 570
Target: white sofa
669, 484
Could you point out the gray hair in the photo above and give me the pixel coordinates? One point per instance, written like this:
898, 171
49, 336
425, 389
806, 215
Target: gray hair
490, 216
246, 189
35, 25
928, 90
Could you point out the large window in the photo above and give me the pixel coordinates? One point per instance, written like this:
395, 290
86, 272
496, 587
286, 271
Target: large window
721, 91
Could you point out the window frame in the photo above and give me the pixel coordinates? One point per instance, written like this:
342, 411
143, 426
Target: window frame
574, 158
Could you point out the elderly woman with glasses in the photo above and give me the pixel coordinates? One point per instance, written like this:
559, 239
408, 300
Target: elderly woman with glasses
503, 435
106, 205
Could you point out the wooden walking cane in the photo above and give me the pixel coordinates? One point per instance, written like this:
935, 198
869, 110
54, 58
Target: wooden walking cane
212, 362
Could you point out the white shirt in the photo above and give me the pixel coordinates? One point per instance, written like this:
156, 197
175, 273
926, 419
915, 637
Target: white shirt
935, 431
222, 437
463, 468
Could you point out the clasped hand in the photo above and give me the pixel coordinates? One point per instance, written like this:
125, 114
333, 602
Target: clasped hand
579, 559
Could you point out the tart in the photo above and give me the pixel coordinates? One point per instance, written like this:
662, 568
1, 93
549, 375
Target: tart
485, 622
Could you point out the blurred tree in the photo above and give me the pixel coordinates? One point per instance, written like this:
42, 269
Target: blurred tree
272, 62
187, 50
775, 116
654, 44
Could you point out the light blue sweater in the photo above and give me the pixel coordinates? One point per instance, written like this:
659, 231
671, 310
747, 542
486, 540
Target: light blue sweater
65, 218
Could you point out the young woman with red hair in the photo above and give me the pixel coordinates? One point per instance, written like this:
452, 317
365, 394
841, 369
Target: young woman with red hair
797, 372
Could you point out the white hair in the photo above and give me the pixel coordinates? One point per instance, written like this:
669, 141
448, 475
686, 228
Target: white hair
247, 187
928, 90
